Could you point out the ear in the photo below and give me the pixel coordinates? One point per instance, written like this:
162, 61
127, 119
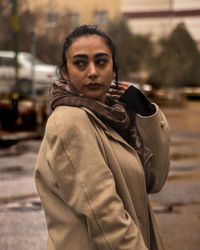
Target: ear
113, 74
64, 73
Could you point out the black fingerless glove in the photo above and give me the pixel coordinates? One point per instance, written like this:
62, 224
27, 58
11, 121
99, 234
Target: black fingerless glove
135, 100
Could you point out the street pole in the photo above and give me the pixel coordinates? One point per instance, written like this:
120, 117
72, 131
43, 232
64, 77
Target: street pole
33, 52
15, 28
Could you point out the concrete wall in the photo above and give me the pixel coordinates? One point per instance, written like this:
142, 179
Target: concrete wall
144, 5
184, 4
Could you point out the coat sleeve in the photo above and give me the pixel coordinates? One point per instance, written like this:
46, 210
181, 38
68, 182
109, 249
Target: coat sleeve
155, 133
86, 183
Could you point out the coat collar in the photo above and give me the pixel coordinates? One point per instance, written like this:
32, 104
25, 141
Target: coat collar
110, 132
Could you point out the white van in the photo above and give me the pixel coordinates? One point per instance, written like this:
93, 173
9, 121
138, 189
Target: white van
43, 74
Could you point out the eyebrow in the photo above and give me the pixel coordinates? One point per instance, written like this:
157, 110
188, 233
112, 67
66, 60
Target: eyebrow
85, 56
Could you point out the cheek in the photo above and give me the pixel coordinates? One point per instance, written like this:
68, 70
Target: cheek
74, 75
109, 75
76, 80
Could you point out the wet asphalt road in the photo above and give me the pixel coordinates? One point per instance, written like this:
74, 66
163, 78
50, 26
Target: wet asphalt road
177, 206
22, 223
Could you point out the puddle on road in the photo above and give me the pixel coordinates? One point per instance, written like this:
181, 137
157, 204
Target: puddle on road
172, 208
184, 177
13, 169
185, 168
184, 156
20, 147
23, 206
12, 172
185, 137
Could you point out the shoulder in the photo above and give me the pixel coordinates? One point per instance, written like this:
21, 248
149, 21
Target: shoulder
67, 113
65, 119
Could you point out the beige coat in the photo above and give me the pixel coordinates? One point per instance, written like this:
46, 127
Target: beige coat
92, 185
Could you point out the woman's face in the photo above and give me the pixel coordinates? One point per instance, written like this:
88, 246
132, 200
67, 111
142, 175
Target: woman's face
90, 66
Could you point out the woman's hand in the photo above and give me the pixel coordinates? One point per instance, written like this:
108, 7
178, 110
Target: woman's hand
118, 92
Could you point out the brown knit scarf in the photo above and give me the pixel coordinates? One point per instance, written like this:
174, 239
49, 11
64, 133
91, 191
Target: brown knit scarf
112, 113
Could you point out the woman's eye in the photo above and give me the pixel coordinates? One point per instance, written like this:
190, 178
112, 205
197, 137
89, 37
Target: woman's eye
80, 64
101, 62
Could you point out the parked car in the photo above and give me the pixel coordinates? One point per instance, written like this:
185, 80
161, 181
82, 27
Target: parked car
33, 73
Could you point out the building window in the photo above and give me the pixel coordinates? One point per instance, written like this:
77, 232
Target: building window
74, 18
101, 18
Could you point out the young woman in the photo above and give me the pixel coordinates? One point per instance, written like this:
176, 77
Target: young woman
105, 148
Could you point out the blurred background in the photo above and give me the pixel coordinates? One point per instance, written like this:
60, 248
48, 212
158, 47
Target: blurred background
158, 50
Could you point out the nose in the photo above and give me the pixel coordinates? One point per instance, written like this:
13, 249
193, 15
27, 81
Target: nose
92, 72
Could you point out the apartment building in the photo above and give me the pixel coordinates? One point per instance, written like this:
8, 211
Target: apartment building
78, 11
159, 17
154, 17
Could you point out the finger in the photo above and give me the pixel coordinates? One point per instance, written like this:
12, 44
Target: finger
116, 96
123, 85
120, 85
113, 86
116, 91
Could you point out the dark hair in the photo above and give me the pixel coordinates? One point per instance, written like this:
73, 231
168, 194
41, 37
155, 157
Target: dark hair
87, 30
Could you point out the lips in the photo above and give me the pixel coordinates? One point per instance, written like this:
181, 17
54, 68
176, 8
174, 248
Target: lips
93, 85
